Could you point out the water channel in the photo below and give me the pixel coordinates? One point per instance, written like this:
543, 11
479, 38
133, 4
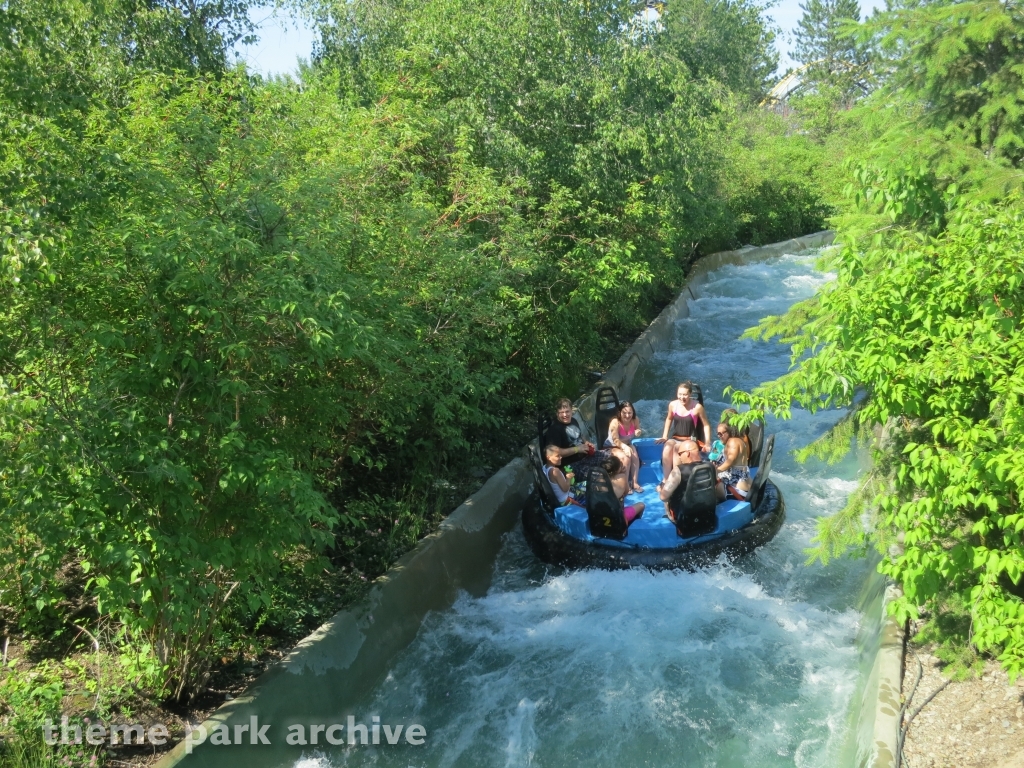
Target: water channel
749, 663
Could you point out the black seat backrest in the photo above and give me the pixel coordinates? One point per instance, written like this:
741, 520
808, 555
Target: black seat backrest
547, 493
606, 408
697, 514
697, 394
544, 423
604, 510
764, 469
756, 434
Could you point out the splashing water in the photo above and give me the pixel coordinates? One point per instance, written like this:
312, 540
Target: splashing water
749, 663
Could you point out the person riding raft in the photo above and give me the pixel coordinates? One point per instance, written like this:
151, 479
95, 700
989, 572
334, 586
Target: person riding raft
686, 419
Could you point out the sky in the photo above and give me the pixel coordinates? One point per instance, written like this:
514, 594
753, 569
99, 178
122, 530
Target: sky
284, 38
787, 14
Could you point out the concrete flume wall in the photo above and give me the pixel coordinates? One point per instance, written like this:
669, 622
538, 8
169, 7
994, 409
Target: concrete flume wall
880, 715
327, 673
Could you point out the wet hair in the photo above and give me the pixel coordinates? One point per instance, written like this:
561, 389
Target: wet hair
687, 385
549, 449
622, 406
611, 464
733, 432
562, 401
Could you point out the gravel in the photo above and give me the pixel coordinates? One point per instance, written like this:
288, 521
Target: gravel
975, 723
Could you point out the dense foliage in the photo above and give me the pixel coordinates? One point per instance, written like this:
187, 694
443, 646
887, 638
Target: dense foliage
920, 334
833, 57
924, 336
252, 332
724, 41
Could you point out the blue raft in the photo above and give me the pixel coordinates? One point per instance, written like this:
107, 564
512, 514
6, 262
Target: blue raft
562, 535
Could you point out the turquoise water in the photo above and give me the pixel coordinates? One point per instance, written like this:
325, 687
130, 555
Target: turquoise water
749, 663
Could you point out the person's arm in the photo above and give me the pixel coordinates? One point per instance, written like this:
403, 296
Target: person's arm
668, 487
585, 447
636, 424
560, 478
619, 486
571, 452
613, 433
732, 454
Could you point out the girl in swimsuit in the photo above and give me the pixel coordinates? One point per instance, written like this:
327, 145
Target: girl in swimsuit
621, 432
684, 420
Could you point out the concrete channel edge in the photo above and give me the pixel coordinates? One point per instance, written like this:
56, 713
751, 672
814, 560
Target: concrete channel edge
342, 660
888, 694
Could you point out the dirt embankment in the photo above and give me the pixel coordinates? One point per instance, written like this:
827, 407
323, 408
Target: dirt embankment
974, 723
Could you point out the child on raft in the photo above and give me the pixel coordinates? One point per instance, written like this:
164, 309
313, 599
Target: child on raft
561, 482
617, 474
622, 430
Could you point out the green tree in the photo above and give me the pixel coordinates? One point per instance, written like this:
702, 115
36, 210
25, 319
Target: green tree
191, 35
62, 53
962, 60
773, 182
924, 339
837, 62
729, 41
920, 335
190, 367
607, 136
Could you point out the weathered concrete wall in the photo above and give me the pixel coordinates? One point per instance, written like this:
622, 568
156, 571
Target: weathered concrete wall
880, 707
875, 710
327, 673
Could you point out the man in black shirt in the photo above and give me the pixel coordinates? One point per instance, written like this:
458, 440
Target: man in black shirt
565, 434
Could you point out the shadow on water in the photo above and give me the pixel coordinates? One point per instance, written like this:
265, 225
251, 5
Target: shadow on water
751, 662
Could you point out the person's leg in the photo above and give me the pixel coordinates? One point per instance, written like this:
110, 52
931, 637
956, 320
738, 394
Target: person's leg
633, 512
634, 469
628, 456
583, 463
737, 494
666, 457
739, 482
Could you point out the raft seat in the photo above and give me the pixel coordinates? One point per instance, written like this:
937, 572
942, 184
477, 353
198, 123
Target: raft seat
654, 530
